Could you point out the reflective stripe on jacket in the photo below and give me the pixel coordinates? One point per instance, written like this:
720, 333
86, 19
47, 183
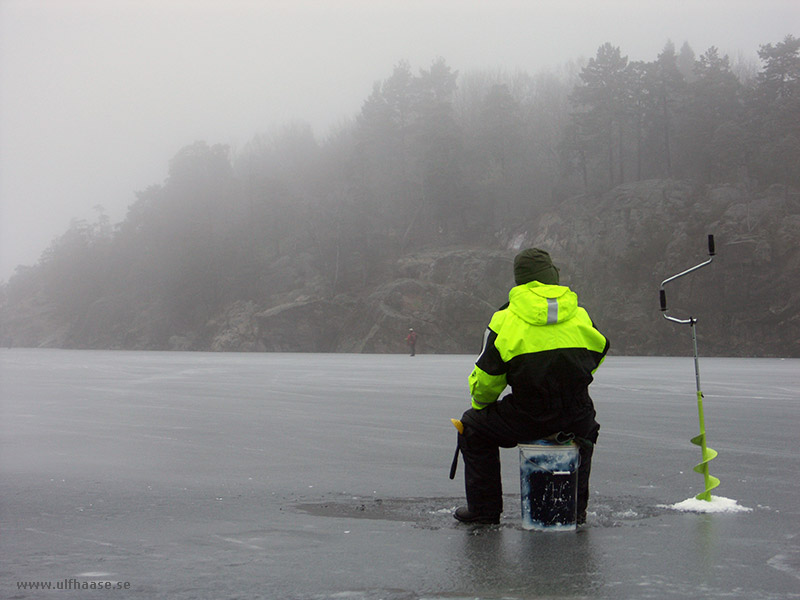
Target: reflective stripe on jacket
545, 347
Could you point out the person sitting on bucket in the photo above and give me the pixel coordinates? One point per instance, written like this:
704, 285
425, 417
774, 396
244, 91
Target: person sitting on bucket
546, 348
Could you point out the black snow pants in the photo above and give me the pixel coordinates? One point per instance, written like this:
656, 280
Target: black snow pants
502, 425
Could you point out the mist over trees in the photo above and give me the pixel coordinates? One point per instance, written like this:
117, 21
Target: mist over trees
434, 158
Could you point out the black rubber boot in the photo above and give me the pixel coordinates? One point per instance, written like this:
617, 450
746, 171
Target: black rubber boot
464, 515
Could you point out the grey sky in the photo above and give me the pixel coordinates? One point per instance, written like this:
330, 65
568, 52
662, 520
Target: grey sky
97, 95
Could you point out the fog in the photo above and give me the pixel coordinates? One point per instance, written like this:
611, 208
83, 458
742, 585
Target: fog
97, 96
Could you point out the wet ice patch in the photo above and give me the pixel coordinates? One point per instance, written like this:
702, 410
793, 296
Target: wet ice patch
787, 563
437, 513
717, 504
618, 511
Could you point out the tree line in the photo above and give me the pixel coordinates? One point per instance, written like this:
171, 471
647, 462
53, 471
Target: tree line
432, 158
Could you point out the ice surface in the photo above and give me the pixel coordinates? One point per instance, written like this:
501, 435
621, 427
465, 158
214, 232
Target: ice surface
311, 477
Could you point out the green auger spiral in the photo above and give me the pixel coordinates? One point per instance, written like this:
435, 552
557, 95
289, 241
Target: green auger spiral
708, 454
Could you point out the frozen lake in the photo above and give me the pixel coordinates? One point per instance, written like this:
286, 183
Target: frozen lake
322, 476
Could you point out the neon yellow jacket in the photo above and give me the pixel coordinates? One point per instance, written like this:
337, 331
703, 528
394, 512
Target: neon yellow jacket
545, 347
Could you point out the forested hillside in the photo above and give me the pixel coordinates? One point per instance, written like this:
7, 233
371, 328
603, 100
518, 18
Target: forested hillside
409, 215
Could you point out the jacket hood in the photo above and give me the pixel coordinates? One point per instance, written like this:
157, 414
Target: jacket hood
542, 304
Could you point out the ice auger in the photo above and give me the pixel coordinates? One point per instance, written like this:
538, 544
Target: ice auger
700, 440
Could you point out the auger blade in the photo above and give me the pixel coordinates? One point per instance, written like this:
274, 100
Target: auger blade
708, 454
711, 483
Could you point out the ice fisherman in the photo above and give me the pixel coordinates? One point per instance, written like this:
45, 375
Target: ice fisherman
411, 340
546, 348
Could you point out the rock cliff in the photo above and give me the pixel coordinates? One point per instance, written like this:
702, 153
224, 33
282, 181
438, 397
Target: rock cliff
617, 248
613, 250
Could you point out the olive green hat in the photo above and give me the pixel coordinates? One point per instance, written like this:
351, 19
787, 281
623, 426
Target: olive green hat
534, 265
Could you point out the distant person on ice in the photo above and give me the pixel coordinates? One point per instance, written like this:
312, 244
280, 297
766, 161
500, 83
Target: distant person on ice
411, 340
546, 348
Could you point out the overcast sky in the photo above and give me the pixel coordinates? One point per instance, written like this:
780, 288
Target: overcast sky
97, 95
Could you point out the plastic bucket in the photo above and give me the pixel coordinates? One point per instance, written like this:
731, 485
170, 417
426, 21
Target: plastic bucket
549, 485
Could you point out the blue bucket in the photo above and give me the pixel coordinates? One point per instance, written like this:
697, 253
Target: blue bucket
549, 485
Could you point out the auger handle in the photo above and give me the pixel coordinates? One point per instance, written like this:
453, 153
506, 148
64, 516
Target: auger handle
663, 293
